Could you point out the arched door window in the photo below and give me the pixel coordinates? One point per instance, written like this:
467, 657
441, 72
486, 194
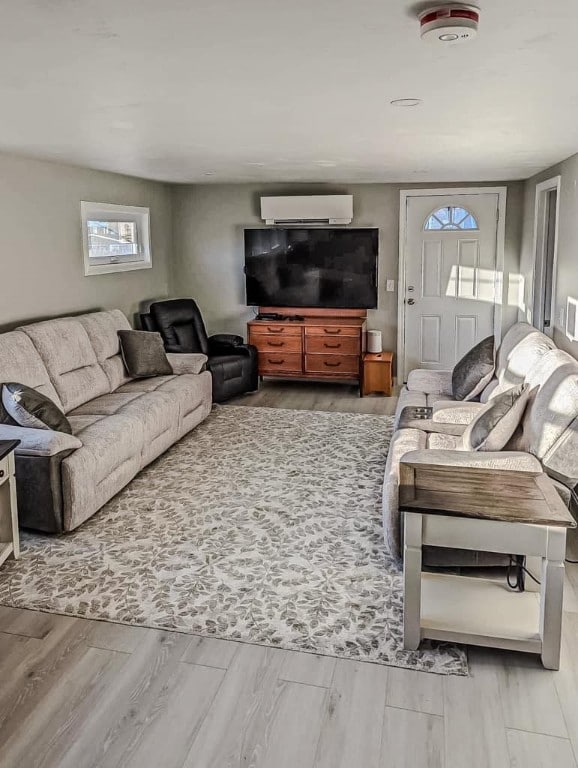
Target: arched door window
451, 217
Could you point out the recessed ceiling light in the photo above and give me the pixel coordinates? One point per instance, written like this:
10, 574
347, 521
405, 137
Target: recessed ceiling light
405, 102
209, 173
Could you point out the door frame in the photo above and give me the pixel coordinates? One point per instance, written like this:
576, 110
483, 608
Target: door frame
539, 251
404, 196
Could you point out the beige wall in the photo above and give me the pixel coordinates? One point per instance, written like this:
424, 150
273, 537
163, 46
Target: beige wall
208, 231
42, 271
567, 271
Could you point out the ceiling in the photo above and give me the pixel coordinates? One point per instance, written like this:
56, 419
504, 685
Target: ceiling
300, 90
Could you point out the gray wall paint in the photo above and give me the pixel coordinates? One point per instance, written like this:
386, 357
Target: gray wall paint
42, 272
567, 272
208, 238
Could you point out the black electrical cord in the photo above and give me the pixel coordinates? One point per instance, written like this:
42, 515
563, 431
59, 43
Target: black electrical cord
517, 565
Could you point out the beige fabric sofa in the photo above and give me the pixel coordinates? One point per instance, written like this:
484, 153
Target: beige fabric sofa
119, 425
547, 438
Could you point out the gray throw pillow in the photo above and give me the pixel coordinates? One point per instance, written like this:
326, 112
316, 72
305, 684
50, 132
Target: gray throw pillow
143, 354
31, 409
496, 423
474, 371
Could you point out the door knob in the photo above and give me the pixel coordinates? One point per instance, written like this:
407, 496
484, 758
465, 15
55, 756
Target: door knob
411, 302
410, 288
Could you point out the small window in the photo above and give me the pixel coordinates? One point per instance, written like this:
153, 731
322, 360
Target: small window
452, 217
116, 238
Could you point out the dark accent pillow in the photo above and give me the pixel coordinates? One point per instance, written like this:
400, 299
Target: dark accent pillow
31, 409
143, 354
474, 371
496, 423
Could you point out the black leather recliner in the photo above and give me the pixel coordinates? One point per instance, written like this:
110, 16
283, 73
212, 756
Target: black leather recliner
232, 363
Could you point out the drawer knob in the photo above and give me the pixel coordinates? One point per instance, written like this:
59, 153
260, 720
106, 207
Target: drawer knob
276, 343
275, 362
332, 346
332, 365
335, 331
275, 330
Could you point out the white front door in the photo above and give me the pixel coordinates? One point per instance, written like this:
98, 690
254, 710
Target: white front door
450, 277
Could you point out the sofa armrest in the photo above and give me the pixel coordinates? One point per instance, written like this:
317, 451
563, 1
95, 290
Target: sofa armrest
39, 442
515, 461
187, 362
430, 382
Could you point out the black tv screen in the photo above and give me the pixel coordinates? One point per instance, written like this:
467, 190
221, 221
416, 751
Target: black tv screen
332, 268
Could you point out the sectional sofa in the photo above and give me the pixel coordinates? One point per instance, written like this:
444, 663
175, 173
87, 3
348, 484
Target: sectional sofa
119, 424
547, 438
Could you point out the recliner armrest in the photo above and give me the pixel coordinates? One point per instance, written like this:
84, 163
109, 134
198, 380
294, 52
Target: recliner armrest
39, 442
225, 344
227, 338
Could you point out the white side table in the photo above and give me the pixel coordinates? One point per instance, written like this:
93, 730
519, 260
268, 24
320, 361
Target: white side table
9, 538
486, 510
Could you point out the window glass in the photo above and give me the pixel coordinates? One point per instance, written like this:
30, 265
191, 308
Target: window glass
451, 217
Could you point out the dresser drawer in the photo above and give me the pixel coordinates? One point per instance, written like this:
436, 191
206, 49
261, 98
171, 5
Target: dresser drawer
332, 330
268, 342
332, 364
277, 330
328, 345
280, 362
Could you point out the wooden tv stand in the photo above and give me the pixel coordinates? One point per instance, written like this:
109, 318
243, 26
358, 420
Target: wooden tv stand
324, 344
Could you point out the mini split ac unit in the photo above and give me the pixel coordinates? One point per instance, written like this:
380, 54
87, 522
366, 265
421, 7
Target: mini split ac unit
310, 209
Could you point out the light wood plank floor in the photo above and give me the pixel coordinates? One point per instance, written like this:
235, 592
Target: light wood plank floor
77, 693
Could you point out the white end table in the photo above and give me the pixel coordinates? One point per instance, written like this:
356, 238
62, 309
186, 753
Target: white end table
506, 511
9, 538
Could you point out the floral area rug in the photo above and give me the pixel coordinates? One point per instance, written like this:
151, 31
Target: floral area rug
263, 525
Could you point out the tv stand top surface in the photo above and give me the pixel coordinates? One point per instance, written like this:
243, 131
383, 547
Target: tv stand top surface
355, 322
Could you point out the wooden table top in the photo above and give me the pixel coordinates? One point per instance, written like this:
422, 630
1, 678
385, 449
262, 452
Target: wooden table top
483, 493
7, 446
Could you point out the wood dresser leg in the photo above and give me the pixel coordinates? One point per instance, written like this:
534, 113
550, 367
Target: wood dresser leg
412, 557
552, 598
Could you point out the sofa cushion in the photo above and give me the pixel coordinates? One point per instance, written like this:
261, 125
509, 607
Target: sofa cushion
67, 353
146, 385
474, 371
191, 391
102, 329
552, 409
106, 405
143, 354
29, 408
430, 382
495, 424
20, 361
159, 414
521, 350
109, 458
441, 442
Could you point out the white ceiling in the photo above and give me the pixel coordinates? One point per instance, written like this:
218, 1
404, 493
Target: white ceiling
290, 91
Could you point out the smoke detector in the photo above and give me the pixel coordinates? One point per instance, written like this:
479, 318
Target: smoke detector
450, 23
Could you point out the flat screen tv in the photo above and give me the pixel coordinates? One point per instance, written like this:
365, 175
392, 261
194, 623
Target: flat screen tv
292, 267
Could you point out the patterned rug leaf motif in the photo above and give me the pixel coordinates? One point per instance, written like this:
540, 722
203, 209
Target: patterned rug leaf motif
263, 525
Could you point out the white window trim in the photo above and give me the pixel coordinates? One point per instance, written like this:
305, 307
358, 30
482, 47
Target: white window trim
104, 211
537, 320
